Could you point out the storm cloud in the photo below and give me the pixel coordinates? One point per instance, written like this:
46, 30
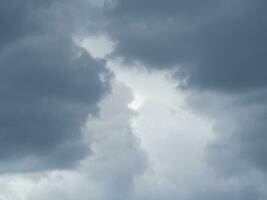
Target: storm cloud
217, 45
48, 88
198, 127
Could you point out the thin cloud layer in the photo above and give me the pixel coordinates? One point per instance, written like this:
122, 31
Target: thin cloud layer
48, 88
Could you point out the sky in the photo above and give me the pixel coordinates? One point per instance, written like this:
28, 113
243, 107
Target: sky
133, 99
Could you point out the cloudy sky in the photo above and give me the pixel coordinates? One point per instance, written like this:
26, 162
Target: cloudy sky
133, 99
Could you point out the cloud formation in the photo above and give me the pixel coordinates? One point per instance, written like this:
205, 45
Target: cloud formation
48, 88
107, 174
212, 44
217, 51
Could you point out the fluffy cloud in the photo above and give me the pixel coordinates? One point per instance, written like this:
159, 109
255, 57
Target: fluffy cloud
217, 52
183, 163
108, 173
48, 87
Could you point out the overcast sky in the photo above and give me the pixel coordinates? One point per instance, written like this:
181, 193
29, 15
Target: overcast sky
133, 99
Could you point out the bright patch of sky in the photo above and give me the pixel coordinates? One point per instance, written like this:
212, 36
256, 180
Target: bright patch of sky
172, 135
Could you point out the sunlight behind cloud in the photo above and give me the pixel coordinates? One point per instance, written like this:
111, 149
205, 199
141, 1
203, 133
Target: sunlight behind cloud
137, 102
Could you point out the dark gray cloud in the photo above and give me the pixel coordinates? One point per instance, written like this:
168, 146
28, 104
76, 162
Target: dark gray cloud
48, 87
215, 44
21, 18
